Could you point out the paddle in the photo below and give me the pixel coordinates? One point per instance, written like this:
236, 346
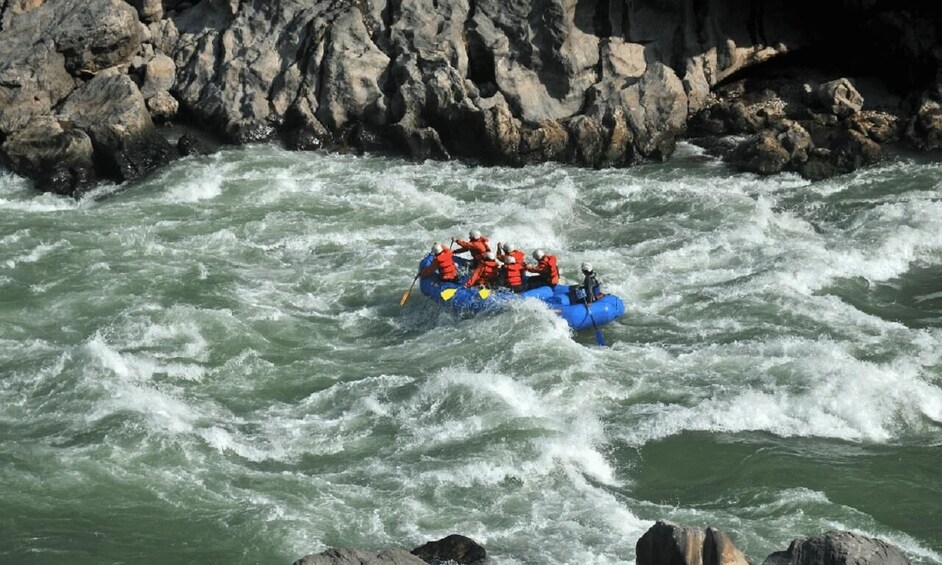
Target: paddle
450, 292
598, 332
405, 296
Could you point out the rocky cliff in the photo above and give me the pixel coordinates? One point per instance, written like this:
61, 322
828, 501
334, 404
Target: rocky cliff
590, 82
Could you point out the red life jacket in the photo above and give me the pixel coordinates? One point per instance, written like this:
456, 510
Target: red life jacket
485, 273
513, 273
478, 247
445, 264
516, 254
554, 270
547, 268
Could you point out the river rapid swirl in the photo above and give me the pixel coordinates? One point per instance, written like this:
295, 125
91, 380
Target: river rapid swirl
213, 366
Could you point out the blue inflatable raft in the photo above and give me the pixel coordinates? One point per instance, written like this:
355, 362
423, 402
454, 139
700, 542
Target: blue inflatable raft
462, 299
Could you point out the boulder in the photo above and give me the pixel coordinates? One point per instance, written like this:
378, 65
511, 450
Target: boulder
587, 139
32, 82
112, 111
656, 111
774, 150
149, 10
188, 145
881, 127
162, 106
666, 543
761, 153
925, 127
93, 34
59, 159
159, 75
839, 97
452, 549
546, 141
355, 557
851, 150
837, 548
719, 549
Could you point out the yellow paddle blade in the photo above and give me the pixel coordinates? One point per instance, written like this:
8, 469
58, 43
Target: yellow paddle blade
448, 293
484, 293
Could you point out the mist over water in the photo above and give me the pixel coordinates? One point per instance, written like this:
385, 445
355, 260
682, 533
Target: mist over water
213, 366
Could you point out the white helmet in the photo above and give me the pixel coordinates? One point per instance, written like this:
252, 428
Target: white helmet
506, 247
437, 248
474, 234
490, 256
587, 267
538, 254
510, 260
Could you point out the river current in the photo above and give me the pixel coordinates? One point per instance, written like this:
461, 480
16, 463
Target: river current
212, 365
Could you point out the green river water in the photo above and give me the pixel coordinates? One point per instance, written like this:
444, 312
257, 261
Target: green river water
212, 365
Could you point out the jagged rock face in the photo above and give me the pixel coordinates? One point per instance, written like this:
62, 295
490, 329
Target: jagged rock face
57, 126
488, 79
591, 82
483, 79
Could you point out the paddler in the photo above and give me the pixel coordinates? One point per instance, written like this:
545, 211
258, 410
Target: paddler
505, 250
443, 262
547, 272
477, 244
591, 288
486, 273
513, 274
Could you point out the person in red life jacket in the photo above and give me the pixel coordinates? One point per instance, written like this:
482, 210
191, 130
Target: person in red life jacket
486, 273
505, 250
547, 273
444, 263
513, 274
478, 246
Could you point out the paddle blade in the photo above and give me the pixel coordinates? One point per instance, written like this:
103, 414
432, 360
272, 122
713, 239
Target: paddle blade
484, 293
405, 295
448, 293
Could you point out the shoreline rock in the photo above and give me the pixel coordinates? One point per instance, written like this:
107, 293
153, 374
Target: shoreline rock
665, 543
505, 82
